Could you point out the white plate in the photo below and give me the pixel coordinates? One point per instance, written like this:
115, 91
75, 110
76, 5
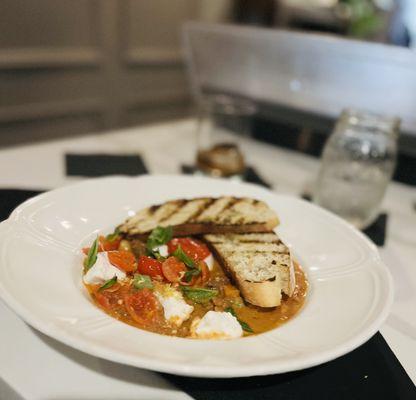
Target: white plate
40, 279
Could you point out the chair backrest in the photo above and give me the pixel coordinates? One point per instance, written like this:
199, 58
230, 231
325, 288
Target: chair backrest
314, 73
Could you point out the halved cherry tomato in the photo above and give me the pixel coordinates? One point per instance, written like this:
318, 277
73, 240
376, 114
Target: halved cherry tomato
142, 306
104, 245
194, 280
201, 278
102, 300
193, 248
173, 269
205, 274
125, 260
107, 245
150, 266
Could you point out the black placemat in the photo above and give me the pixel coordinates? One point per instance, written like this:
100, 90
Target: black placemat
11, 198
370, 372
250, 175
377, 231
94, 165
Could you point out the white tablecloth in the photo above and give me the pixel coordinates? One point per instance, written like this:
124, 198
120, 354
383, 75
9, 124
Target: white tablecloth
33, 366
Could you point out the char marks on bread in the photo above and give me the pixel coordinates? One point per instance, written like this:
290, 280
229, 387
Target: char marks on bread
203, 215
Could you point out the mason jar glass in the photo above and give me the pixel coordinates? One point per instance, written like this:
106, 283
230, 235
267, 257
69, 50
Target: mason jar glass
357, 164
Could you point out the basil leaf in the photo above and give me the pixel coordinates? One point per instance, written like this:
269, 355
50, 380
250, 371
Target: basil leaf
246, 327
91, 256
142, 281
155, 254
190, 274
158, 237
113, 236
108, 284
180, 254
193, 268
231, 311
199, 295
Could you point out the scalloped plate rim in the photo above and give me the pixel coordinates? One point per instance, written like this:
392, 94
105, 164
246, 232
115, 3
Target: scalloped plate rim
200, 370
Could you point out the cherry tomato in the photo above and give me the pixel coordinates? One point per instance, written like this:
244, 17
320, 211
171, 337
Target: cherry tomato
150, 266
107, 245
123, 260
194, 280
205, 273
102, 300
104, 245
201, 278
192, 248
173, 269
142, 306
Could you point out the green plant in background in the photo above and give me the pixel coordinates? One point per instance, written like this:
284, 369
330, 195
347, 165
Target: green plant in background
363, 16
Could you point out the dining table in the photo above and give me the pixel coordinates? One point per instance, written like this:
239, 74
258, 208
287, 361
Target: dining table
36, 367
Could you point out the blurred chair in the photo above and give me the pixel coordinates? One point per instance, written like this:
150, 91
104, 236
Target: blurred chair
310, 73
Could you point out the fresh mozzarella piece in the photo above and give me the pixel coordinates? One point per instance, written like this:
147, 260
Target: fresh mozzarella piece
175, 308
102, 271
217, 325
163, 250
209, 260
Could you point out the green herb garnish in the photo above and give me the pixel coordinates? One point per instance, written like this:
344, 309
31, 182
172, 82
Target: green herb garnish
199, 295
91, 256
193, 269
113, 236
190, 274
158, 237
246, 327
155, 254
142, 281
231, 311
180, 255
108, 284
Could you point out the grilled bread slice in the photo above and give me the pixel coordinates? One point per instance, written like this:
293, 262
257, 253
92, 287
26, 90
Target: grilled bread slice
203, 215
260, 264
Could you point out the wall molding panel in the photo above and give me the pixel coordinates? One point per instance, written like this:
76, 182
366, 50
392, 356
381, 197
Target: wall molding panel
90, 64
33, 58
153, 57
36, 111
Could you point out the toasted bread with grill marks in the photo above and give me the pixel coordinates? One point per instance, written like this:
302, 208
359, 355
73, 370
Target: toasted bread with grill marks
203, 215
260, 264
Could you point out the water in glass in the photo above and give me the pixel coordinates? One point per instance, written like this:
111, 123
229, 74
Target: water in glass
357, 164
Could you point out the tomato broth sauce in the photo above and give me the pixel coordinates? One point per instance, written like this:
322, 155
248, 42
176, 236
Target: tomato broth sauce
114, 301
